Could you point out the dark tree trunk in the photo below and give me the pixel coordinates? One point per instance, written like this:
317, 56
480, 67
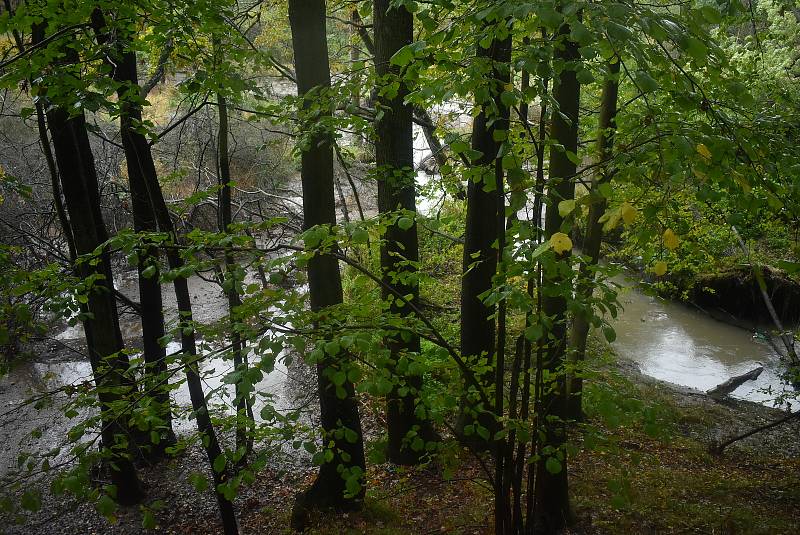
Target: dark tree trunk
484, 197
103, 337
394, 155
143, 158
309, 40
188, 339
124, 72
552, 491
594, 232
231, 283
189, 349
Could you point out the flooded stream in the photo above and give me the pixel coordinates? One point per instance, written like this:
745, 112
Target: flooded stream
672, 342
282, 388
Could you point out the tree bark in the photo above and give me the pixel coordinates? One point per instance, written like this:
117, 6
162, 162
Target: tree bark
103, 337
124, 73
552, 491
394, 155
594, 234
242, 398
309, 41
143, 158
484, 197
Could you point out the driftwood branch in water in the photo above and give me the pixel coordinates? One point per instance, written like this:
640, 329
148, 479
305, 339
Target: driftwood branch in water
724, 389
719, 448
786, 336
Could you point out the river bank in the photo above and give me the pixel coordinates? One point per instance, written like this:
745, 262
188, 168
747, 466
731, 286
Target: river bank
641, 465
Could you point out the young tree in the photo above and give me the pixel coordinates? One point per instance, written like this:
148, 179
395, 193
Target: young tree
394, 158
123, 73
552, 492
339, 482
101, 325
594, 231
484, 199
230, 283
139, 154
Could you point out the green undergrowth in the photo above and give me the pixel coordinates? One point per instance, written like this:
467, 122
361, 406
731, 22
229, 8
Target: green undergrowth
652, 476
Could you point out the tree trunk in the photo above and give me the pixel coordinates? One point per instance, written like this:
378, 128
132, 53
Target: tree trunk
231, 282
309, 40
144, 163
552, 492
103, 337
124, 72
394, 155
594, 233
484, 197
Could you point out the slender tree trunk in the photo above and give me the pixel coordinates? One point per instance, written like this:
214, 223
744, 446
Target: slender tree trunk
104, 339
189, 349
594, 234
231, 282
355, 57
55, 184
552, 491
188, 338
394, 155
484, 197
124, 72
142, 156
309, 40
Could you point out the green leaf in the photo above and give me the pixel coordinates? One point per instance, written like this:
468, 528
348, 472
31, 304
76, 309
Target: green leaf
646, 82
353, 485
403, 57
553, 465
148, 520
566, 207
405, 223
359, 236
31, 501
219, 463
534, 332
609, 333
105, 505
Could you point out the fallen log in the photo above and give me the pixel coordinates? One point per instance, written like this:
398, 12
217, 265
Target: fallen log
721, 391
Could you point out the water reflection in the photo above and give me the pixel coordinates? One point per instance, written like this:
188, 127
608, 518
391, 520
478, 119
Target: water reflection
676, 343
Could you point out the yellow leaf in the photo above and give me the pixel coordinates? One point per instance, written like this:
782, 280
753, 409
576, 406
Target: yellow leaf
703, 151
670, 239
560, 242
628, 213
566, 207
742, 181
660, 268
610, 219
509, 87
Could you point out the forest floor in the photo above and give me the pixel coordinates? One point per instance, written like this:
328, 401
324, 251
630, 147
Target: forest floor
642, 465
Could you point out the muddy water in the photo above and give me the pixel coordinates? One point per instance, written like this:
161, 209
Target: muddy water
679, 344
